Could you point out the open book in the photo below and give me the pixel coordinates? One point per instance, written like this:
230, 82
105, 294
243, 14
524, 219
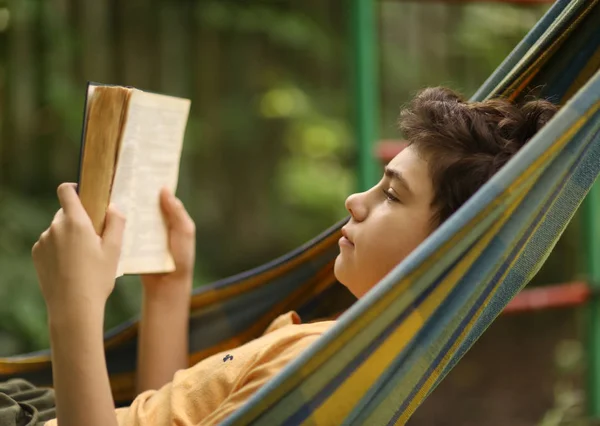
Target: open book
131, 148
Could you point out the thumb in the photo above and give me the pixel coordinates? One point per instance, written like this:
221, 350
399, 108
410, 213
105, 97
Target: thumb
112, 237
176, 215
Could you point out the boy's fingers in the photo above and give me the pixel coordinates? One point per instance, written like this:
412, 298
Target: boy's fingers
165, 198
69, 200
58, 216
175, 213
114, 227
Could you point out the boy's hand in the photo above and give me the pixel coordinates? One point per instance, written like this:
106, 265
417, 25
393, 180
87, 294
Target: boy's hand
76, 268
182, 242
163, 331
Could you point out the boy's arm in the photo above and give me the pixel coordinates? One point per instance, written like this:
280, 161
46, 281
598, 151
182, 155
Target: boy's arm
163, 333
81, 383
76, 270
163, 337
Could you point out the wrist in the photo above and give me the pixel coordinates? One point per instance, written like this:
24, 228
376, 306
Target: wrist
73, 318
166, 285
169, 294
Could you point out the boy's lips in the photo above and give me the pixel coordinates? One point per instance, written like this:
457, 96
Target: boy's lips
346, 238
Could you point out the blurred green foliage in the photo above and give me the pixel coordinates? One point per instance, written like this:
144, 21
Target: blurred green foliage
269, 153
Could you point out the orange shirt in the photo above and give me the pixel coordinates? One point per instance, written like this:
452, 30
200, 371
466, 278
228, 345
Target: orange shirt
208, 392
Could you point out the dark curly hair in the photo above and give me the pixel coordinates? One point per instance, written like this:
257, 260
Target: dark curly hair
465, 143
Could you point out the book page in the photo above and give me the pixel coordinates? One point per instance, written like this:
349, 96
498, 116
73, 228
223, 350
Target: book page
148, 160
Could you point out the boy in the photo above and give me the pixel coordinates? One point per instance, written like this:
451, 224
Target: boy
454, 147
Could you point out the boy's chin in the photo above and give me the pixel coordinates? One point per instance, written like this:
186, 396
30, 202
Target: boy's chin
349, 278
338, 266
340, 270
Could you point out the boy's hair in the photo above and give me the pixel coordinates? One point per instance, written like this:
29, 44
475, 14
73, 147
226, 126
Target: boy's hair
465, 143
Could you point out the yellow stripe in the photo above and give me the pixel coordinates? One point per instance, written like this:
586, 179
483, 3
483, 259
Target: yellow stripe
512, 95
8, 366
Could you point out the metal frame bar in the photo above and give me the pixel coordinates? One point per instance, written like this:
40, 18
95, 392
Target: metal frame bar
591, 248
365, 43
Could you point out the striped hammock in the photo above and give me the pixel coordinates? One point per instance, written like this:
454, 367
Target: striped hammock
389, 350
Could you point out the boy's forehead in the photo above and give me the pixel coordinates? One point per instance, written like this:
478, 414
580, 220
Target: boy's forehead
408, 161
413, 168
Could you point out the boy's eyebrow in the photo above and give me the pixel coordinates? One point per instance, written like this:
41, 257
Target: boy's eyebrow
395, 174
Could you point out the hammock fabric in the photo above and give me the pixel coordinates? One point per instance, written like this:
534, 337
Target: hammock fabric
389, 350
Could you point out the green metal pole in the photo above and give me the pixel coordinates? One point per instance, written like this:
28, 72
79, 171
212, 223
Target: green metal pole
365, 65
591, 211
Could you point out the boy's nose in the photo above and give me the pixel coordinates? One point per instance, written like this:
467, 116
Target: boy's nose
357, 207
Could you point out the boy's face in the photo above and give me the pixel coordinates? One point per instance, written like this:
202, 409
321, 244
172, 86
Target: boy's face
387, 222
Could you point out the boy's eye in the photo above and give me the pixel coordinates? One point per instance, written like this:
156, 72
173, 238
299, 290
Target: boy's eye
390, 197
